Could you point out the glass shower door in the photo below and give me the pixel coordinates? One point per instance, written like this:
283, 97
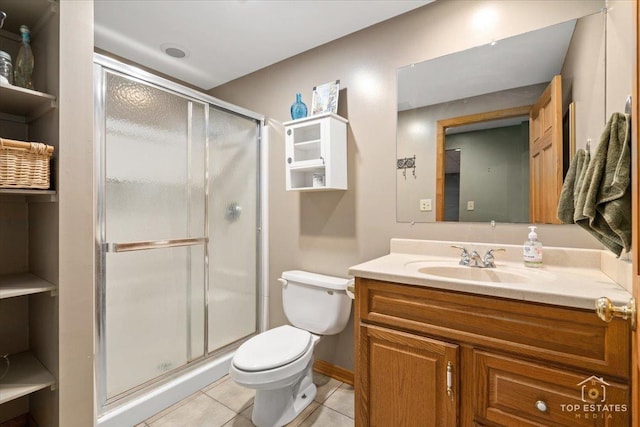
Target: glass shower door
153, 232
233, 230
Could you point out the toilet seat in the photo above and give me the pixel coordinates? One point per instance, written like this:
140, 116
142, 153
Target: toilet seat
272, 349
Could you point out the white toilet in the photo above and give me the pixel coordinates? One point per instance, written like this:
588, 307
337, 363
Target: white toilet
278, 363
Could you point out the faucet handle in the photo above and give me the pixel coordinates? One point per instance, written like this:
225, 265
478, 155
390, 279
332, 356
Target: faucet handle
462, 248
465, 259
489, 258
491, 251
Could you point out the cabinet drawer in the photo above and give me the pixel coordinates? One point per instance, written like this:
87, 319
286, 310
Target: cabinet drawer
513, 392
565, 336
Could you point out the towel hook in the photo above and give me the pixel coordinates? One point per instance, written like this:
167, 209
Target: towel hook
627, 105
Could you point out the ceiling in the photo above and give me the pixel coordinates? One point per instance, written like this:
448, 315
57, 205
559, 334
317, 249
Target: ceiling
227, 39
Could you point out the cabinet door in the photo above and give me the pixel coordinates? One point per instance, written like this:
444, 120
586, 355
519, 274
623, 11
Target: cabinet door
405, 380
304, 143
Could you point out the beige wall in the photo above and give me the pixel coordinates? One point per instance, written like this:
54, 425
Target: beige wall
582, 75
328, 232
620, 57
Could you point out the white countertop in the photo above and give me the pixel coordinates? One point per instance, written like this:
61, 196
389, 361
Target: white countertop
569, 277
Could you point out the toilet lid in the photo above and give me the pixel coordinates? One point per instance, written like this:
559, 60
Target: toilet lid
273, 348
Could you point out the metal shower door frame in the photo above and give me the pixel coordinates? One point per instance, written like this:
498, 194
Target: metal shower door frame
103, 65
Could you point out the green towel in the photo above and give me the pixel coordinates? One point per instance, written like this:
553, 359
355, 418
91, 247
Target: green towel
606, 211
571, 186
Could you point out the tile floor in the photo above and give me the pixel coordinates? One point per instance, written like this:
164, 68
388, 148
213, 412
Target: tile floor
224, 403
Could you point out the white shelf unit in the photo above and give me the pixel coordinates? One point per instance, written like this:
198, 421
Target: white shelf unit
316, 145
29, 236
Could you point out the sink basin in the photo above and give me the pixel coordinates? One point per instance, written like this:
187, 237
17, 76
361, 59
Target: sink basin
460, 272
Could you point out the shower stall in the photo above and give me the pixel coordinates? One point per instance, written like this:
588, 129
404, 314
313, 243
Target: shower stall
179, 243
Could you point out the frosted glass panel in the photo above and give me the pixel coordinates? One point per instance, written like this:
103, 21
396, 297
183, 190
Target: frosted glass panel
154, 163
233, 166
150, 306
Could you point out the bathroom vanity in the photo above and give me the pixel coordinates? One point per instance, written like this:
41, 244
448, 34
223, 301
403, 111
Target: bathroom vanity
436, 346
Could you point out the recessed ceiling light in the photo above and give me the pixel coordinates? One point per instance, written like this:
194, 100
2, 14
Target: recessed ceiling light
174, 50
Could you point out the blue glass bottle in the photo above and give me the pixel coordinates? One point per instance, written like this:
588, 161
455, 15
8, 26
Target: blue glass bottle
298, 108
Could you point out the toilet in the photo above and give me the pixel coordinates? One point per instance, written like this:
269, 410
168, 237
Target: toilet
278, 363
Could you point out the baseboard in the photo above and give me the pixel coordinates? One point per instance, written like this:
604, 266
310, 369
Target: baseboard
333, 371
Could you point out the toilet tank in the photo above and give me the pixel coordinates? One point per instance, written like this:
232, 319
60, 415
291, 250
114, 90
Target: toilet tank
315, 302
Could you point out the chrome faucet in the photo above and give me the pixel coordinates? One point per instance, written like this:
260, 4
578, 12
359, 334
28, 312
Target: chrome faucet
474, 259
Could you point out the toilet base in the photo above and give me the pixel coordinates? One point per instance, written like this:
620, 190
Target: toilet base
275, 408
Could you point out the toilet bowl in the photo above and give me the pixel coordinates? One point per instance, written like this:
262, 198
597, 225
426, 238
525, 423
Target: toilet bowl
283, 389
278, 363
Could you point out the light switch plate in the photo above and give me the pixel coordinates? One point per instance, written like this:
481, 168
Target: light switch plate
470, 205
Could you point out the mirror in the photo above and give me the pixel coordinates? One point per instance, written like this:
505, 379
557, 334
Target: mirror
462, 141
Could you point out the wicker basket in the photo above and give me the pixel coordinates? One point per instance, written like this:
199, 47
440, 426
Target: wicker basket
24, 164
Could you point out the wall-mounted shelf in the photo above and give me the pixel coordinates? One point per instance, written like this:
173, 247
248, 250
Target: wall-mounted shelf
15, 285
28, 103
316, 152
26, 375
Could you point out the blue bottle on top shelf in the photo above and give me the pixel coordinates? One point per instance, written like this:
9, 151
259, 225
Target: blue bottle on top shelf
298, 108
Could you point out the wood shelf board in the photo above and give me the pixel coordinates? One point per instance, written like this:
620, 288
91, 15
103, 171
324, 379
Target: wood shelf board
25, 102
32, 196
26, 375
14, 285
27, 192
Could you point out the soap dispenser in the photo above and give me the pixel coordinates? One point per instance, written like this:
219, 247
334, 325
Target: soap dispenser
532, 251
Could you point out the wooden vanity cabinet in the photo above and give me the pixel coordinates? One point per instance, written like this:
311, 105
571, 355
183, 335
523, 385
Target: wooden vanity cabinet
428, 357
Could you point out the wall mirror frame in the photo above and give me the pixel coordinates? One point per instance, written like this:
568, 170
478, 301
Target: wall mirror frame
426, 183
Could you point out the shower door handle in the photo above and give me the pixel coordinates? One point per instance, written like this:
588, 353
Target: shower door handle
153, 244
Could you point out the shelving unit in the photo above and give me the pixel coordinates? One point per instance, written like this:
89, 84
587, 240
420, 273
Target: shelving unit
316, 153
29, 254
